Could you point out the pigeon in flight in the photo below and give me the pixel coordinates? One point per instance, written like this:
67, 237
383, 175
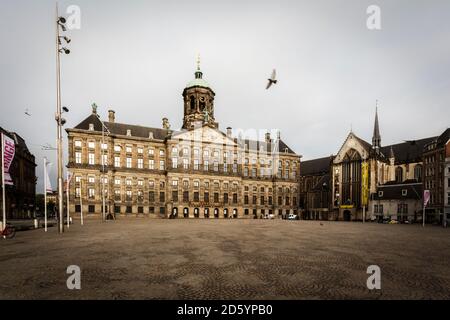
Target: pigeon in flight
27, 112
272, 79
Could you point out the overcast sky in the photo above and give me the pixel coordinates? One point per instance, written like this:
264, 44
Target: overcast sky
137, 56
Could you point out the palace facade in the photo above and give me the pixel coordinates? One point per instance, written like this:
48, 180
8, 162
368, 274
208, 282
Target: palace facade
195, 172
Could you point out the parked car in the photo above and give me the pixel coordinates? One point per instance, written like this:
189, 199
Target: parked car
269, 216
393, 222
293, 217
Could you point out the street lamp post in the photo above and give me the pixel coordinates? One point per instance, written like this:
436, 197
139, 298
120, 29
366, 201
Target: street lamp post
104, 128
60, 23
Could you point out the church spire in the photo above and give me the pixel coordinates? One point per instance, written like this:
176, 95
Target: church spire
376, 138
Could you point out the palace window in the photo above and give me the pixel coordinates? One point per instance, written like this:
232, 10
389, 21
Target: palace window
151, 152
104, 146
77, 192
128, 182
196, 164
91, 179
151, 164
117, 162
129, 149
185, 164
399, 174
78, 143
128, 162
151, 184
117, 148
91, 159
117, 181
91, 145
140, 163
140, 150
418, 172
91, 193
161, 165
140, 182
105, 159
78, 157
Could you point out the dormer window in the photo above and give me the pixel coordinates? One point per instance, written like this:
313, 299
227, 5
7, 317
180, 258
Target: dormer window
150, 135
380, 194
128, 132
91, 127
404, 192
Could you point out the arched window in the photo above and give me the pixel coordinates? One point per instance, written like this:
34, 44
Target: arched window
202, 104
418, 172
192, 103
398, 174
186, 212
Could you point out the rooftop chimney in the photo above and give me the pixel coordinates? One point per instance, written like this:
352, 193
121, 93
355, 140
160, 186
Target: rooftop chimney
111, 116
229, 132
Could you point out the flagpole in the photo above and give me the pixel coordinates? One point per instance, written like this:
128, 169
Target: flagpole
3, 184
423, 217
81, 201
67, 191
45, 194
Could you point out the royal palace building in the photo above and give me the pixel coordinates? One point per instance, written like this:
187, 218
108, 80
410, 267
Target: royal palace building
195, 172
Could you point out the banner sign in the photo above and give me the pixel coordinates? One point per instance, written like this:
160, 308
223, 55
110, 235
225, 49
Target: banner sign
47, 178
426, 197
365, 183
9, 150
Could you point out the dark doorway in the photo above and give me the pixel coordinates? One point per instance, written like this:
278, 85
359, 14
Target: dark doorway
347, 215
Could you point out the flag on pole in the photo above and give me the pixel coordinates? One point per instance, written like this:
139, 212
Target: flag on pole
47, 178
426, 197
8, 150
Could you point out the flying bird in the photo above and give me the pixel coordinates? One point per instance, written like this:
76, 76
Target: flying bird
272, 79
27, 112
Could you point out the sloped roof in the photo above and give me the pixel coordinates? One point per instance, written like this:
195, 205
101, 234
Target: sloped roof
121, 128
443, 138
255, 145
407, 152
316, 166
395, 191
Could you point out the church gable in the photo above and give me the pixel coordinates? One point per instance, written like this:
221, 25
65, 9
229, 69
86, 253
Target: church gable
353, 144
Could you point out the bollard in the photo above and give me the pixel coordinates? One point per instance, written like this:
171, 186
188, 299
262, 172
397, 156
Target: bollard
36, 224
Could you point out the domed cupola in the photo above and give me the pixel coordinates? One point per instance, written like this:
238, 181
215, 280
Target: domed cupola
198, 102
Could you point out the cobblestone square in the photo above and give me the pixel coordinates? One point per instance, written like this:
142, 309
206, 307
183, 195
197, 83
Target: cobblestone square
227, 259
